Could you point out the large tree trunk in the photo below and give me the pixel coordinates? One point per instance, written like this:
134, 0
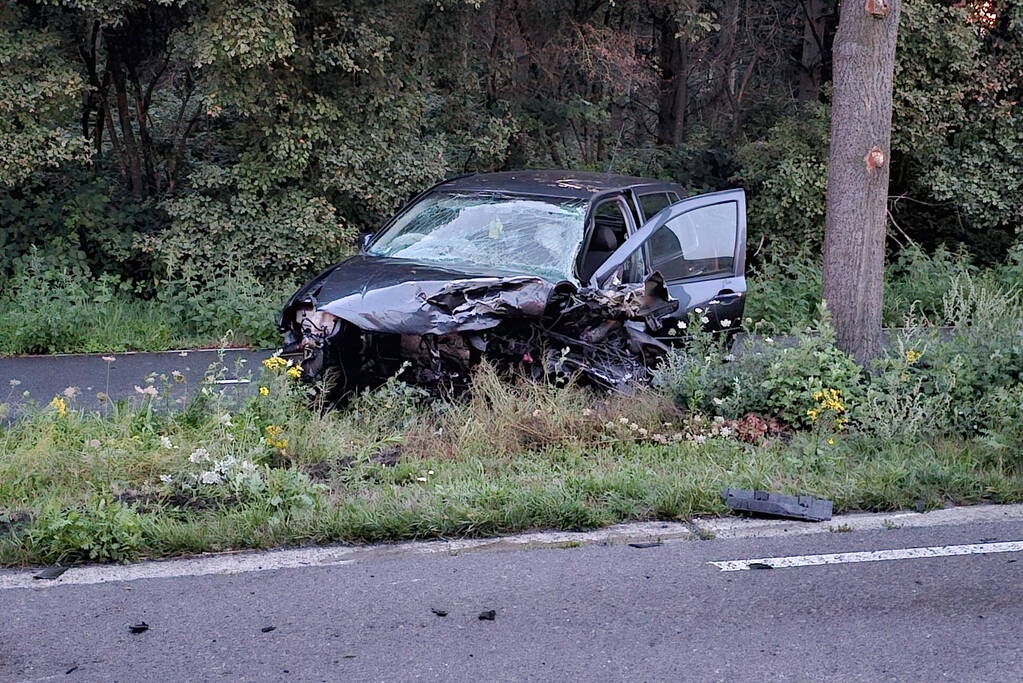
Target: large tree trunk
674, 94
811, 62
861, 126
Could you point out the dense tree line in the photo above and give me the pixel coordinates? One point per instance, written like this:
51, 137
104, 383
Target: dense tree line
162, 139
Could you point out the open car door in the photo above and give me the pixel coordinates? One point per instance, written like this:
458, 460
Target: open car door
698, 245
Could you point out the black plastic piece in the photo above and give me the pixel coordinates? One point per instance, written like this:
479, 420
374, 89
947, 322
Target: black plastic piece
778, 504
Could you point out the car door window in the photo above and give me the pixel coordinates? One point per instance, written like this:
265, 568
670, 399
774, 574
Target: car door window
652, 203
697, 243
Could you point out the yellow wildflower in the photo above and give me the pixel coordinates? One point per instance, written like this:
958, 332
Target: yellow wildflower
831, 442
264, 391
60, 405
274, 363
295, 371
912, 356
272, 434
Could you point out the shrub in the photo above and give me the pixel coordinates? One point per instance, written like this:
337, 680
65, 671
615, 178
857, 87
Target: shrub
100, 530
222, 300
1002, 423
769, 379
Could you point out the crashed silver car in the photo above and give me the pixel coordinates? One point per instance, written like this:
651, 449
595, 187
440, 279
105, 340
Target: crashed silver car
547, 272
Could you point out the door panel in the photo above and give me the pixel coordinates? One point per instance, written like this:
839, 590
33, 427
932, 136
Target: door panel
699, 247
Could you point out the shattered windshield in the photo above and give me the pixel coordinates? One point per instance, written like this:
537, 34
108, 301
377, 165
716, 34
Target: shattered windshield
537, 235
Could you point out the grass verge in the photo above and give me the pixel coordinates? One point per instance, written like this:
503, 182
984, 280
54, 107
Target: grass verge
143, 482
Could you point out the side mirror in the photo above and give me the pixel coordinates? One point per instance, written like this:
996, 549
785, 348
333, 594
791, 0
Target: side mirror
364, 240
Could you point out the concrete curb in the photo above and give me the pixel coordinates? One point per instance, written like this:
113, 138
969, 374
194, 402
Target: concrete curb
619, 534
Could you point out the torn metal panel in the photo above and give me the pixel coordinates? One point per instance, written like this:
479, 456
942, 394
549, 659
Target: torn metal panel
437, 330
778, 504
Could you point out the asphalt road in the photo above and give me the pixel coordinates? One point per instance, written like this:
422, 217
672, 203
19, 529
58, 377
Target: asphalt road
593, 613
44, 377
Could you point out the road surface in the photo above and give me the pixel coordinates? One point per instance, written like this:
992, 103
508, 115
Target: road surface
44, 377
592, 613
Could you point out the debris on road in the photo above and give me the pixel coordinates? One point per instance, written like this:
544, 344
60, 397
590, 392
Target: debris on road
50, 573
760, 565
140, 627
489, 615
778, 504
267, 629
652, 544
439, 612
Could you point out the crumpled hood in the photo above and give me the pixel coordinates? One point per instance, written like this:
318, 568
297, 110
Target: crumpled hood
400, 296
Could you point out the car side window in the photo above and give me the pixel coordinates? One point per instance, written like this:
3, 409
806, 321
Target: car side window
697, 243
652, 203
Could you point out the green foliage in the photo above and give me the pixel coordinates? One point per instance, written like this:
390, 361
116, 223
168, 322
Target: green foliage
772, 379
786, 172
1002, 428
223, 301
40, 90
99, 530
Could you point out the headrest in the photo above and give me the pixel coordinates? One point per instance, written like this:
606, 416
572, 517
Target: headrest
603, 239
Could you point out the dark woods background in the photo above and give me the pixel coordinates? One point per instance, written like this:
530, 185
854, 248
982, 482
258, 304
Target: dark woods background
151, 142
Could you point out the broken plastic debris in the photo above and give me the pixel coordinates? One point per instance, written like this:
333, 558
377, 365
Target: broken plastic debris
760, 565
652, 544
50, 573
140, 627
439, 612
778, 504
489, 615
267, 629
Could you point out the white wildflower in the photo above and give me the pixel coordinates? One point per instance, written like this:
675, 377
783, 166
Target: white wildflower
730, 357
717, 401
642, 431
699, 439
698, 310
166, 478
420, 478
726, 431
704, 320
211, 478
725, 322
681, 324
768, 340
199, 455
166, 442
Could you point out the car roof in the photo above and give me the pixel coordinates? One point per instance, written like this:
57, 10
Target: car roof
550, 183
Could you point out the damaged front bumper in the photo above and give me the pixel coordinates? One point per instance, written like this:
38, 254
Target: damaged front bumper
434, 332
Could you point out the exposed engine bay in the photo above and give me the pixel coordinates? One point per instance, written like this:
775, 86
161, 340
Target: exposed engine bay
434, 330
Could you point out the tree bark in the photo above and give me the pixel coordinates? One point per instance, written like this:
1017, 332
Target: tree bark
861, 125
674, 93
815, 14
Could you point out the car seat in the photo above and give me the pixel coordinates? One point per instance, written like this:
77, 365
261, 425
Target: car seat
603, 243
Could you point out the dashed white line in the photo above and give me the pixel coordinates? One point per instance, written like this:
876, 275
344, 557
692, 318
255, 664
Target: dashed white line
869, 556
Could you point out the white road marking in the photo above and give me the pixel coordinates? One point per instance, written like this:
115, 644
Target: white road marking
228, 563
232, 381
871, 556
